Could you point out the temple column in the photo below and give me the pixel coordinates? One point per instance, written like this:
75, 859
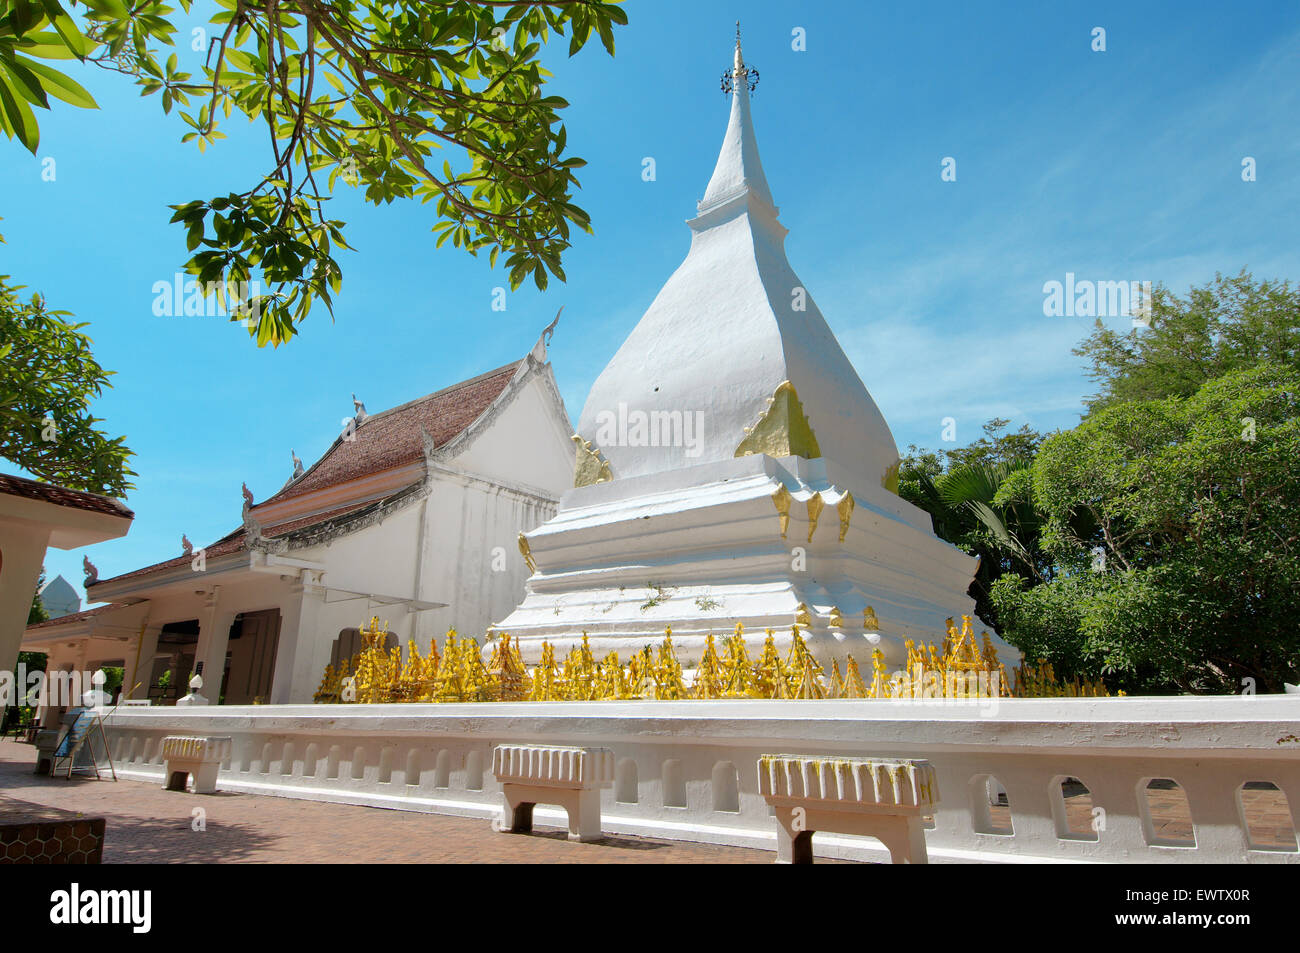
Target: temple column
296, 671
214, 638
140, 665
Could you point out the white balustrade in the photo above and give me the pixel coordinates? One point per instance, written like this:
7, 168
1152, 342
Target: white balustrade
1021, 779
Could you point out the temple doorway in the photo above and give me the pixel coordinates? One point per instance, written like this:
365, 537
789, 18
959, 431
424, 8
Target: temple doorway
250, 658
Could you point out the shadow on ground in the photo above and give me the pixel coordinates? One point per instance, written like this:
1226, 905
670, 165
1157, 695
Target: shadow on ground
135, 840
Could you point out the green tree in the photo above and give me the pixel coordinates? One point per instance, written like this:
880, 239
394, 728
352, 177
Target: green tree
22, 713
1173, 524
1227, 325
977, 501
48, 381
37, 612
359, 90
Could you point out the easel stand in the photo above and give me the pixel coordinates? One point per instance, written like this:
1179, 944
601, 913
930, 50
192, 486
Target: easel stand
84, 728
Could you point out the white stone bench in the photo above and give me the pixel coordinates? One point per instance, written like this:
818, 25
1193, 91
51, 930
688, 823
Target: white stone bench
546, 774
882, 798
200, 757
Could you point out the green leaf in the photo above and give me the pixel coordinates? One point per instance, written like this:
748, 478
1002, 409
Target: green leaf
18, 115
23, 80
65, 27
51, 46
24, 16
60, 86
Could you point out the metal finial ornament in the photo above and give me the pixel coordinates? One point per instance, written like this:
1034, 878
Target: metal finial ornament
746, 74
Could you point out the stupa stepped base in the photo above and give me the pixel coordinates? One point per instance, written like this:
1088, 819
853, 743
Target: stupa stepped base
702, 548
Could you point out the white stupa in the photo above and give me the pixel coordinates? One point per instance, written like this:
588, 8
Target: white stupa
732, 467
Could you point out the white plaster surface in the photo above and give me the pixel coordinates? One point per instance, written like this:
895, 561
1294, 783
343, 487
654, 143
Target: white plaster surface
726, 329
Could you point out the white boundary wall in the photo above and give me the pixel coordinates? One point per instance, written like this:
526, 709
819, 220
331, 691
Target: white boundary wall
688, 770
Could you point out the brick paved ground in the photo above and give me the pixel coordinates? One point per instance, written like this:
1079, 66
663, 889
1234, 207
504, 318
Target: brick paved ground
149, 825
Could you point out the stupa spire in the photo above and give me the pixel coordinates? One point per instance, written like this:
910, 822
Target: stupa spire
739, 169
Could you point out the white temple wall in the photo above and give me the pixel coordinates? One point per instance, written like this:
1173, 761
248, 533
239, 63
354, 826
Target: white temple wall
474, 563
527, 443
378, 558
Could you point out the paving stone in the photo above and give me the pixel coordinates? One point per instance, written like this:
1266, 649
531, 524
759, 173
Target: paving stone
146, 824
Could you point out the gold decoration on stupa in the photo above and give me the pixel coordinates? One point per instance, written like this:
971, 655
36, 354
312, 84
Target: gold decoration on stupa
890, 478
709, 676
803, 615
836, 619
815, 506
803, 674
545, 677
668, 670
769, 678
737, 673
853, 687
782, 498
835, 686
527, 553
580, 675
869, 621
588, 467
845, 509
507, 675
960, 667
783, 429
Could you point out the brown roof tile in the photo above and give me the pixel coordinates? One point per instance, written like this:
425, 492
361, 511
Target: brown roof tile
61, 496
392, 438
222, 547
75, 616
384, 440
234, 542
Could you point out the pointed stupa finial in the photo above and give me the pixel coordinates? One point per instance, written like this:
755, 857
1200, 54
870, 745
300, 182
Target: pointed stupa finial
739, 168
739, 74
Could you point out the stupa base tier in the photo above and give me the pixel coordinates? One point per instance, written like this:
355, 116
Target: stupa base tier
701, 549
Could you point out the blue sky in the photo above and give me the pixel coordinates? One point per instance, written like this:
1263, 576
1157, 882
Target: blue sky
1122, 165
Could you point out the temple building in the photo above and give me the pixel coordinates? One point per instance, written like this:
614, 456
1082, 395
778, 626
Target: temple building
732, 467
412, 515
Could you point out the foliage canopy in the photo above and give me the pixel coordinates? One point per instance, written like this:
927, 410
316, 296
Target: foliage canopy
362, 90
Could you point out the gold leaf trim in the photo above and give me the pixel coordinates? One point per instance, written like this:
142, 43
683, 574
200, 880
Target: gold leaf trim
527, 553
783, 429
815, 506
845, 509
782, 499
890, 480
588, 467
